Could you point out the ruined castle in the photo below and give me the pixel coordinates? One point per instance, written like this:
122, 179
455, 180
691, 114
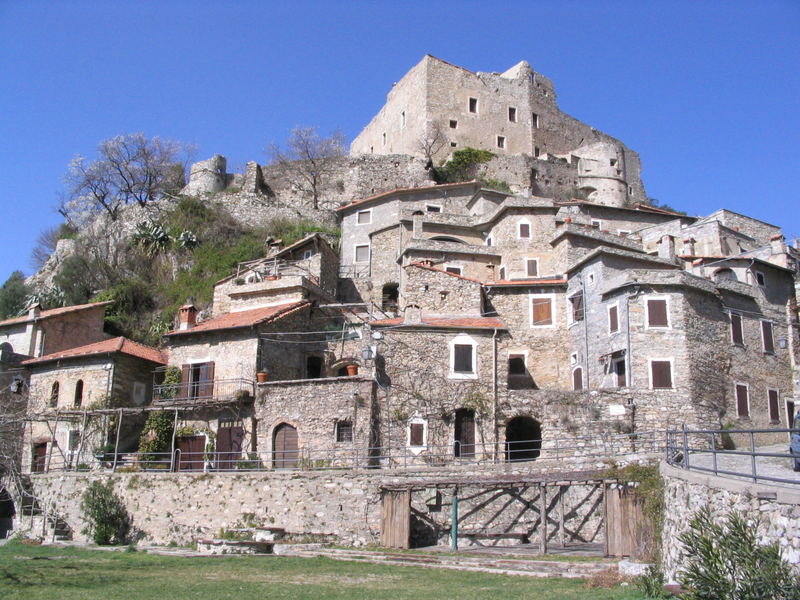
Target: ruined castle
455, 329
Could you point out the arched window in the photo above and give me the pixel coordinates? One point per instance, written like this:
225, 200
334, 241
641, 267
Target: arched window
577, 379
54, 394
79, 392
725, 274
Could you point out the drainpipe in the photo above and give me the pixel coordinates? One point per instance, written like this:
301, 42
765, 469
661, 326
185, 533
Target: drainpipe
494, 390
628, 359
585, 328
792, 358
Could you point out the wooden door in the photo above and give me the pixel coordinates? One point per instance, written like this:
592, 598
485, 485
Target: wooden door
190, 457
39, 458
229, 446
626, 530
396, 519
285, 447
464, 433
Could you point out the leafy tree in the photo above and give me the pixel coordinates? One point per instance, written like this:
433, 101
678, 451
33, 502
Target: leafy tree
726, 561
130, 169
308, 158
463, 165
107, 518
13, 295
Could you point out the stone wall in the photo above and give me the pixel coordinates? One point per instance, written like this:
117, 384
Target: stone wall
686, 492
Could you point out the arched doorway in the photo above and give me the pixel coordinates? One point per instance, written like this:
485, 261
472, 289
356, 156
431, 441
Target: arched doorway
284, 447
7, 513
389, 296
464, 433
523, 439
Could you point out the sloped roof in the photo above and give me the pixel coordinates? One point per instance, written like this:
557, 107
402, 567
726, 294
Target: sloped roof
525, 282
435, 270
428, 188
449, 322
118, 345
244, 318
53, 312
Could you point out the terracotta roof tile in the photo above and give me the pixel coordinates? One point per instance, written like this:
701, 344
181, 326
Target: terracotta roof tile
119, 345
244, 318
467, 322
53, 312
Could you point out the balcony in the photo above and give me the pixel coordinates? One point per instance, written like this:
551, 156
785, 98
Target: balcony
203, 392
354, 271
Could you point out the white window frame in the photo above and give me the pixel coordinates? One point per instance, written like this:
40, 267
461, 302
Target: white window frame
516, 114
429, 206
749, 414
614, 305
477, 110
307, 254
597, 224
417, 420
613, 371
764, 340
572, 378
573, 358
489, 241
502, 272
756, 274
534, 120
368, 212
355, 254
459, 267
527, 260
462, 339
519, 229
777, 391
553, 309
647, 312
671, 361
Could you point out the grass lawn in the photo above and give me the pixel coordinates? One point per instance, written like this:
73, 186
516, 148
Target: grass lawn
55, 573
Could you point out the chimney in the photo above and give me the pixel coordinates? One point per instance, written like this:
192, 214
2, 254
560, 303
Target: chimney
187, 317
688, 246
413, 315
666, 248
34, 310
416, 220
778, 243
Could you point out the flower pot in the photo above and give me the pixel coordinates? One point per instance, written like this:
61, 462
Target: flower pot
352, 370
261, 376
272, 277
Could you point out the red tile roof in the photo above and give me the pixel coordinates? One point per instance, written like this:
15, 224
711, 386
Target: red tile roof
119, 345
53, 312
427, 188
245, 318
448, 322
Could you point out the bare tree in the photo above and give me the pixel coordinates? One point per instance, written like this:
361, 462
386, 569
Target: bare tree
130, 169
431, 142
308, 158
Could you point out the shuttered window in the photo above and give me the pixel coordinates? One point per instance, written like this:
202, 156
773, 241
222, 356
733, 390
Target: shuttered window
532, 266
462, 358
742, 401
772, 401
661, 374
613, 319
657, 313
766, 337
577, 307
737, 333
577, 379
524, 230
541, 311
416, 434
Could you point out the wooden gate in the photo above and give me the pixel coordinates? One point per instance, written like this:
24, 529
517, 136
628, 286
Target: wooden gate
229, 445
190, 457
627, 533
464, 433
396, 519
285, 447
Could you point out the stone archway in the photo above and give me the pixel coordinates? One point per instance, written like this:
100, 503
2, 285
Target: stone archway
523, 439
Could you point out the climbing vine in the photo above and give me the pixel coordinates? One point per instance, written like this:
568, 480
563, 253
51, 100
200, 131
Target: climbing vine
156, 435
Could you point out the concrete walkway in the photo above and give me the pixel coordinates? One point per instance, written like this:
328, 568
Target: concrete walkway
779, 467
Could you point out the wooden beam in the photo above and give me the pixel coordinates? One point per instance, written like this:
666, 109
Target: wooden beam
542, 519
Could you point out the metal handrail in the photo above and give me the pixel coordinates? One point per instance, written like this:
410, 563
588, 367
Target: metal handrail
199, 391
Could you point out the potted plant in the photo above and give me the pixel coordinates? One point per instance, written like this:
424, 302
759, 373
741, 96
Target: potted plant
261, 376
352, 370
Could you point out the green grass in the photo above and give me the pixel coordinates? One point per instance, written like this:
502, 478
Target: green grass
63, 573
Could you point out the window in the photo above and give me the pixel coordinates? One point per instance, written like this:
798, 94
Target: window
576, 306
344, 431
534, 120
577, 379
416, 434
573, 358
197, 381
773, 398
307, 254
453, 269
362, 254
79, 392
536, 151
453, 123
767, 341
597, 224
760, 279
463, 357
402, 119
313, 367
619, 371
73, 441
512, 114
613, 318
54, 394
364, 217
657, 313
623, 232
384, 139
532, 267
524, 230
737, 333
501, 141
502, 273
473, 105
518, 376
453, 144
138, 393
489, 241
433, 208
542, 310
661, 374
742, 401
516, 364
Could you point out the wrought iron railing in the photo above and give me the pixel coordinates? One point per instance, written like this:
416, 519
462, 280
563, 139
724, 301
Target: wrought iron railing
203, 391
357, 271
714, 451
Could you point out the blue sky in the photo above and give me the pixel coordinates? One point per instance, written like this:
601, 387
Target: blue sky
706, 92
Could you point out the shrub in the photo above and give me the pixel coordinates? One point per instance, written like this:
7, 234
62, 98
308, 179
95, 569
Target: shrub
725, 561
156, 436
651, 584
108, 520
462, 166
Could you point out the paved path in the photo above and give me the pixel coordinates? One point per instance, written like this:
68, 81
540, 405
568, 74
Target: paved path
779, 467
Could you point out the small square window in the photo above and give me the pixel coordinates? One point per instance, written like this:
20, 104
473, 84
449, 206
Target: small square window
453, 269
597, 224
307, 254
433, 208
364, 217
489, 241
344, 431
534, 120
362, 254
512, 114
453, 144
661, 374
453, 123
473, 105
532, 267
501, 141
